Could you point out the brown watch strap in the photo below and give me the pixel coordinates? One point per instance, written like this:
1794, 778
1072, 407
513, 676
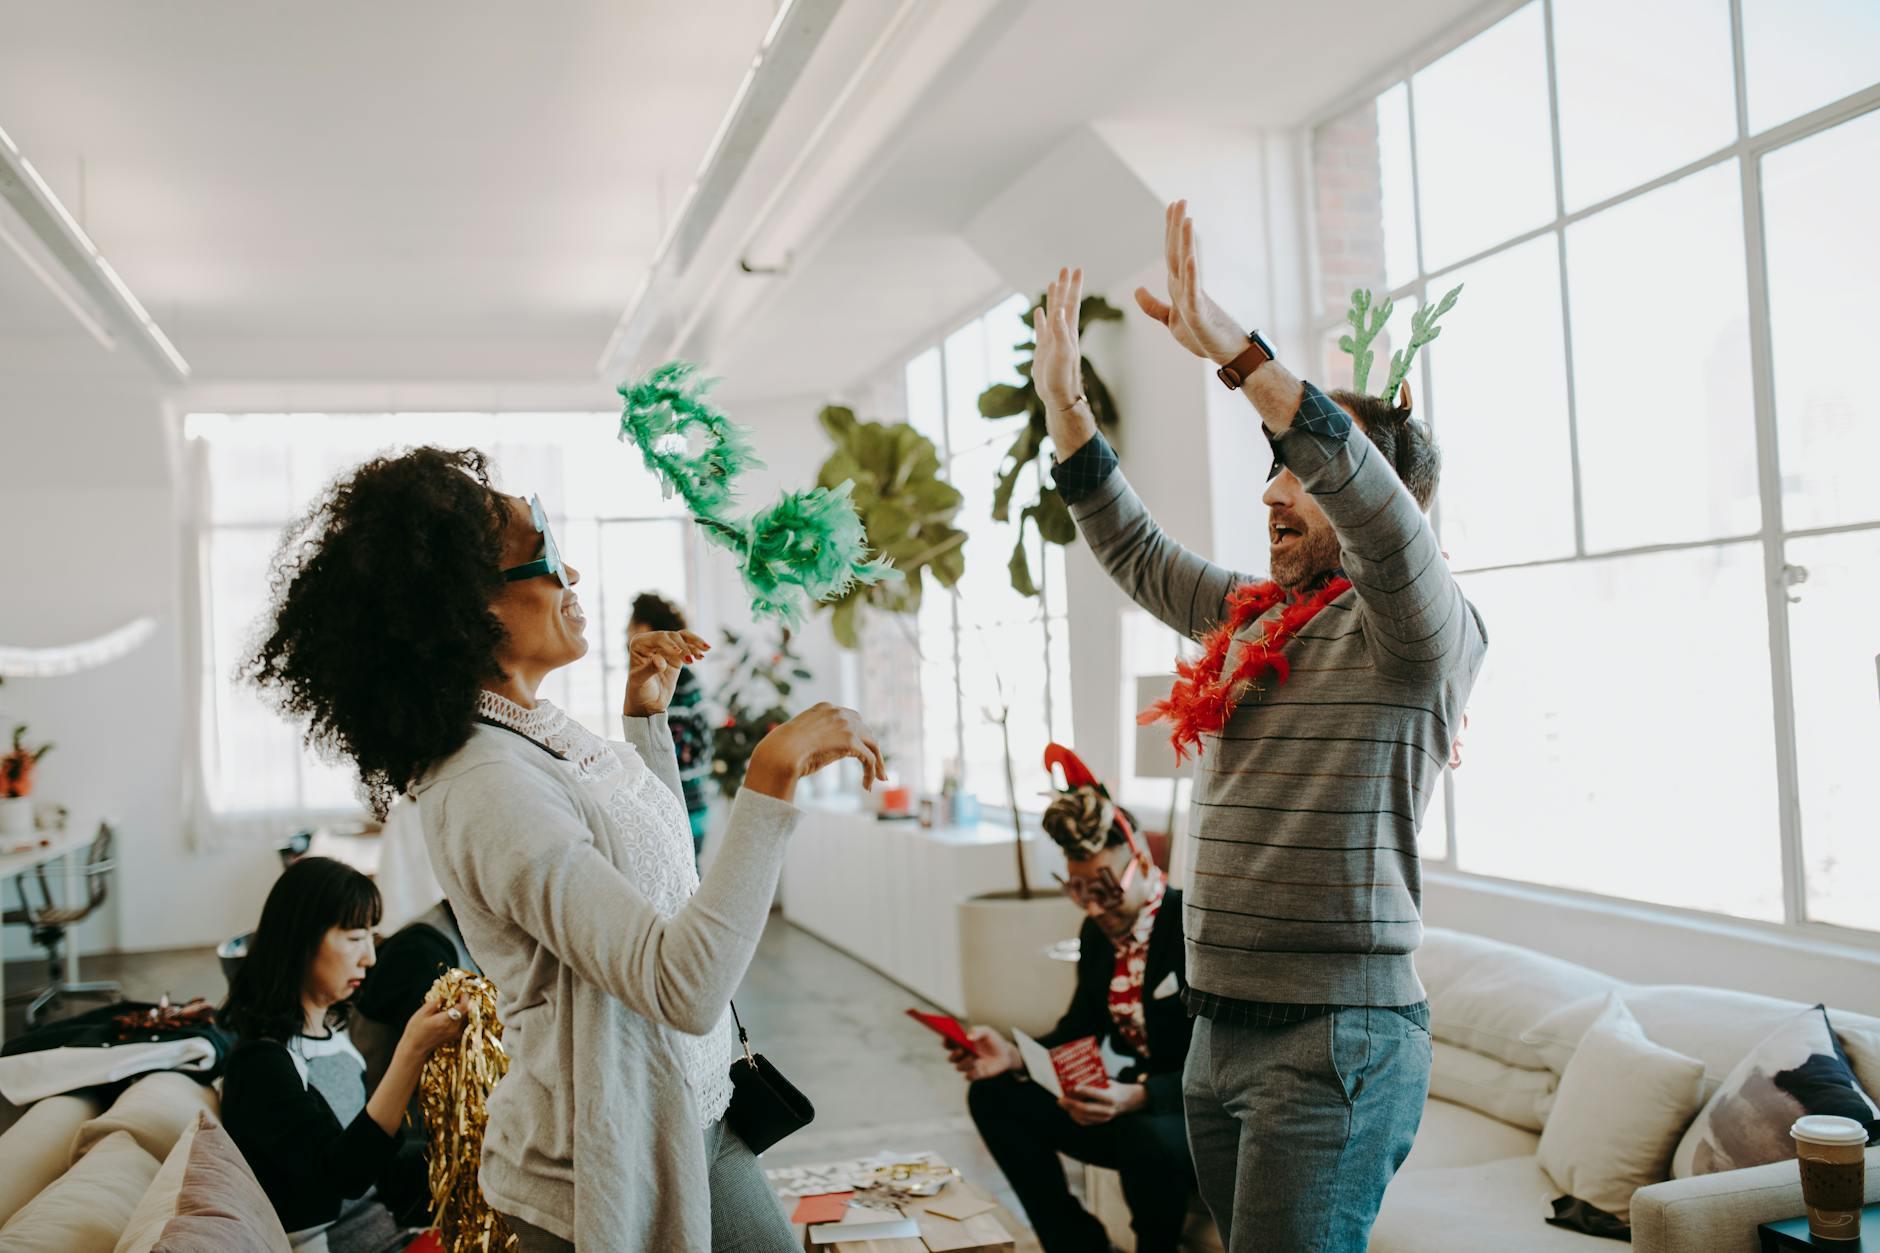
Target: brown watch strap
1235, 372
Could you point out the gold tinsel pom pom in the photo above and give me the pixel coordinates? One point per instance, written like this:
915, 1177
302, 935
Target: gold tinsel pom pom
454, 1094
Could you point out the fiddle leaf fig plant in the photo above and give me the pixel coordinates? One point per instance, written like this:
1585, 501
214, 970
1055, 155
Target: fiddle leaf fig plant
1003, 400
906, 508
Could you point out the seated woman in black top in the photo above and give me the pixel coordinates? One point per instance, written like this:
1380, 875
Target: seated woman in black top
294, 1094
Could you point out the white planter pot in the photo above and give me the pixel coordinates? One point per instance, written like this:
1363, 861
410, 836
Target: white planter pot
1005, 964
16, 816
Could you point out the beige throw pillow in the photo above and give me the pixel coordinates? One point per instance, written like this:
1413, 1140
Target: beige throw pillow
87, 1207
1621, 1107
1515, 1096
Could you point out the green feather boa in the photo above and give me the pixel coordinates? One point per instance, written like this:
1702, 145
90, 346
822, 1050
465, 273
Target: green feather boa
807, 547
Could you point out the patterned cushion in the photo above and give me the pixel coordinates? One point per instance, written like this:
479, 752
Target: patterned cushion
204, 1200
1799, 1069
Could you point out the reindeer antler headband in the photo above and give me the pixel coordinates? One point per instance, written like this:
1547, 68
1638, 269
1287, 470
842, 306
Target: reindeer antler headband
1367, 322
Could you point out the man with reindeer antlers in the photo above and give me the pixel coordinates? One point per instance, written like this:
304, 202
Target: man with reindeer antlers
1326, 702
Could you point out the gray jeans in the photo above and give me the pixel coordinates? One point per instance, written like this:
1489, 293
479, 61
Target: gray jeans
746, 1216
1296, 1130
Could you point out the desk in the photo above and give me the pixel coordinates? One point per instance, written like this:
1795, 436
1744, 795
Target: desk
17, 860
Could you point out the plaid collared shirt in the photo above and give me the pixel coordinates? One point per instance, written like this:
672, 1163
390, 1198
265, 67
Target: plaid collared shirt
1084, 471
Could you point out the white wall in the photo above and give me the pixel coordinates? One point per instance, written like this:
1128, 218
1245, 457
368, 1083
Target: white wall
85, 489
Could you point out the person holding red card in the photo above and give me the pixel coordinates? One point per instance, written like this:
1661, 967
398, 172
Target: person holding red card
1130, 976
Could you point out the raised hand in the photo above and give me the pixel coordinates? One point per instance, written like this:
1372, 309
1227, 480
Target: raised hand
1192, 317
1057, 365
654, 659
817, 737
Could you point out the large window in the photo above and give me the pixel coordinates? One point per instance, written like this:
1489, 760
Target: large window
257, 472
1658, 430
985, 648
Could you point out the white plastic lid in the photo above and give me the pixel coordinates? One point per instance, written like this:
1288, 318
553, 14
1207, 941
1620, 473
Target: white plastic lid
1828, 1129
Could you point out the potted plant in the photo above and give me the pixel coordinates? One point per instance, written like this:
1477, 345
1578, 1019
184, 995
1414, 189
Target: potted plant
1010, 942
752, 700
16, 784
906, 509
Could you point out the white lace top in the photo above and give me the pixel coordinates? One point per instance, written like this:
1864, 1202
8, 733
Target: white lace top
658, 838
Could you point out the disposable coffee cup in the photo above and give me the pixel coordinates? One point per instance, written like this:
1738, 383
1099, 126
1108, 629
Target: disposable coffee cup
1832, 1153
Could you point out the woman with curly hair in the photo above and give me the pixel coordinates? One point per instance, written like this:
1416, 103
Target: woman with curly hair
417, 611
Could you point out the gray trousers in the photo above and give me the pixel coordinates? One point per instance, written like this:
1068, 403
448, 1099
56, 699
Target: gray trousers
1296, 1130
746, 1216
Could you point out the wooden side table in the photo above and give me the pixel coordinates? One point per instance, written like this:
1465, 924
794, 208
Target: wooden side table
1792, 1233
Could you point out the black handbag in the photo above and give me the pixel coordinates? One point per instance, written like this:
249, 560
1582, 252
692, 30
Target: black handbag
765, 1107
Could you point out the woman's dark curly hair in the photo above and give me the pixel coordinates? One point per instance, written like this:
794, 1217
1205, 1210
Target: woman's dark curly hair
380, 632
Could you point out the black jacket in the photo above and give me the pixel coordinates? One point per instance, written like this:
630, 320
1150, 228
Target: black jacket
307, 1163
1165, 1018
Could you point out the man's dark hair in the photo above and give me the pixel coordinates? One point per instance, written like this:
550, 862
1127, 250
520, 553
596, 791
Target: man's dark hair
1406, 442
655, 612
311, 897
1083, 822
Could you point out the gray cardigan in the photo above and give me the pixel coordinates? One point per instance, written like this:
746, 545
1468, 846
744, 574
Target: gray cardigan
593, 1134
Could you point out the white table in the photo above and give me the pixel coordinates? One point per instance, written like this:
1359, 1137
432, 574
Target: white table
886, 892
48, 846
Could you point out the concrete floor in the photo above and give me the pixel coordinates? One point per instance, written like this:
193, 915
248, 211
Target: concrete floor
840, 1032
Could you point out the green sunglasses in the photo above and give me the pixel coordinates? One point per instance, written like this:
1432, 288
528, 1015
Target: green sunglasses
550, 560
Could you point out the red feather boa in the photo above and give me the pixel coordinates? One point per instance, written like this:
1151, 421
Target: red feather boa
1202, 700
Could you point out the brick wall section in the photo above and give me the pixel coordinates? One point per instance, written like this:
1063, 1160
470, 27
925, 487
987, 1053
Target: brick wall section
1348, 213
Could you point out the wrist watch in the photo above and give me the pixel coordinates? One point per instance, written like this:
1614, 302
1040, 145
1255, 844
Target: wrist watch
1237, 371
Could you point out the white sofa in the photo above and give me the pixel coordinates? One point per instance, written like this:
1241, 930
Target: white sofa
1472, 1182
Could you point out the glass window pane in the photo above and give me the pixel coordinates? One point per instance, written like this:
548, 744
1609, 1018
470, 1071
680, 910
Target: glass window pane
939, 691
1644, 89
1819, 198
1662, 386
1659, 787
1485, 165
1398, 187
1835, 658
1799, 57
1498, 400
993, 668
1362, 200
925, 411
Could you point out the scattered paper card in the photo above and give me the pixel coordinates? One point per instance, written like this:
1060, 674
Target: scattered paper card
842, 1233
961, 1208
827, 1208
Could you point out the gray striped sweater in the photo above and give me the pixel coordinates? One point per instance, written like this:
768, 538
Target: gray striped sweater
1305, 884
